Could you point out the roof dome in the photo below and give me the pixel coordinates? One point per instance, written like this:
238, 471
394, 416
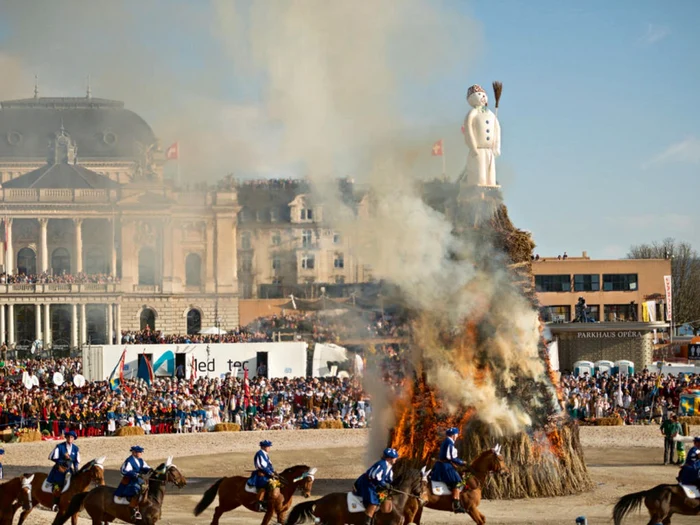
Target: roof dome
101, 129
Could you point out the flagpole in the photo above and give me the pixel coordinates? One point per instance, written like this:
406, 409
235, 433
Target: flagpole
444, 173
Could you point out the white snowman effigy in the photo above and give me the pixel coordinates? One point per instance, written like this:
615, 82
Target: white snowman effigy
482, 135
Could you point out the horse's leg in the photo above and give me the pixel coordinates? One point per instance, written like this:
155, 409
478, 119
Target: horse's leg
23, 515
477, 516
223, 506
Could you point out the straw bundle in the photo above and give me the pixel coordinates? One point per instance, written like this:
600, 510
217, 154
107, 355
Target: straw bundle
29, 436
331, 423
129, 431
227, 427
609, 422
689, 420
6, 435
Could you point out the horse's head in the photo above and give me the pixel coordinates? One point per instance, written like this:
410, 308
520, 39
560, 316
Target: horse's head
168, 473
95, 470
25, 493
302, 477
491, 461
414, 482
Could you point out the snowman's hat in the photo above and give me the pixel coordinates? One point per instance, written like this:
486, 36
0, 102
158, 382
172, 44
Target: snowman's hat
476, 88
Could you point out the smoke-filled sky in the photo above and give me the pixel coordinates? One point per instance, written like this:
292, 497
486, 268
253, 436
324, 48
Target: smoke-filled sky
597, 111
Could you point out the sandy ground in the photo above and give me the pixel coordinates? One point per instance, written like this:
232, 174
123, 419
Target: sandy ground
620, 460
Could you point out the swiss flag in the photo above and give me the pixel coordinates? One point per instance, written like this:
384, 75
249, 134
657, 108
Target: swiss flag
173, 152
437, 149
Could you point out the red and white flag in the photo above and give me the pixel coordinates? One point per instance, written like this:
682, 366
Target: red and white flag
173, 152
437, 149
246, 388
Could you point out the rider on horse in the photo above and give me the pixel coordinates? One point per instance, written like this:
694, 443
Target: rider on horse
378, 477
263, 477
66, 458
131, 485
445, 471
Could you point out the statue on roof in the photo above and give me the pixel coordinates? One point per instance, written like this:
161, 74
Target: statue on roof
482, 135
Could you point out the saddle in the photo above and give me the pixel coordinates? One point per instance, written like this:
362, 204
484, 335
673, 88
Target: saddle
251, 489
48, 487
691, 491
439, 488
355, 503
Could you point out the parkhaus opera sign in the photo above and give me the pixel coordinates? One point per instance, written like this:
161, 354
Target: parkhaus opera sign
612, 334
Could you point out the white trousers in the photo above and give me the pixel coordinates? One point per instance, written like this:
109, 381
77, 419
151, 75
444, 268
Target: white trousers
481, 168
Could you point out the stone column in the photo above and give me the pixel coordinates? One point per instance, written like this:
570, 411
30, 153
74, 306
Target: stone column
113, 260
110, 324
3, 338
47, 325
167, 256
78, 246
43, 245
10, 324
9, 255
74, 326
83, 325
118, 308
37, 323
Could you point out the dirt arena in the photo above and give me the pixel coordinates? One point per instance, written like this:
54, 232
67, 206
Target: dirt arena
620, 460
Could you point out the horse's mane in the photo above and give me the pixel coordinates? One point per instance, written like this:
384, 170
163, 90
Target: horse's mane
295, 467
408, 478
482, 455
86, 467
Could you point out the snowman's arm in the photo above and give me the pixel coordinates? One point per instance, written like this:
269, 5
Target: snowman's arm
497, 137
469, 137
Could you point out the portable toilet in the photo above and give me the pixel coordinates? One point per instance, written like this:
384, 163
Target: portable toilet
582, 367
624, 367
604, 366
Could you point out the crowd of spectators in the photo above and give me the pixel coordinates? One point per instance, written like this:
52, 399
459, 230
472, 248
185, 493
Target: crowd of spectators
156, 337
635, 399
50, 278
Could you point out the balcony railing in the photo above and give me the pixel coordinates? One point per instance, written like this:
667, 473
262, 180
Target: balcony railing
146, 288
59, 288
56, 195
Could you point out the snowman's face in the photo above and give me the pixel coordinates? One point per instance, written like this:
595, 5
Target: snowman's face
477, 99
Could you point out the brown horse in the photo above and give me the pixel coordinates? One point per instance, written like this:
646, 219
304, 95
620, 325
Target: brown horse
662, 502
332, 509
474, 478
91, 472
100, 506
14, 494
232, 494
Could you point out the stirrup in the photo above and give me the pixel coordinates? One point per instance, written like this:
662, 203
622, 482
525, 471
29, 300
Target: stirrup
54, 507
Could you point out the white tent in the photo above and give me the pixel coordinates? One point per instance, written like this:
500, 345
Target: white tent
213, 330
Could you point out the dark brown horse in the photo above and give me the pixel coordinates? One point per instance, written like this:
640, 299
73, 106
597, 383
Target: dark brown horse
232, 494
100, 506
662, 502
475, 475
14, 494
332, 509
91, 472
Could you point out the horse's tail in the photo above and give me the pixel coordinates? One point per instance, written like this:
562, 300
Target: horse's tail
76, 504
301, 513
627, 504
208, 497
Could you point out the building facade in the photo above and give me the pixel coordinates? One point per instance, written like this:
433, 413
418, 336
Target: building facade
95, 241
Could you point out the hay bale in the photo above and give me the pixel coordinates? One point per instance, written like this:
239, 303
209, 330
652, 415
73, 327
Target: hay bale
331, 423
689, 420
6, 435
227, 427
609, 422
129, 431
29, 436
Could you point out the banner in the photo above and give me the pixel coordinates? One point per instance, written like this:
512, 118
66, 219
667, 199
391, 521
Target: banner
669, 297
694, 352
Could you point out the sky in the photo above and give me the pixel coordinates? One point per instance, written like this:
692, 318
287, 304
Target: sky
601, 127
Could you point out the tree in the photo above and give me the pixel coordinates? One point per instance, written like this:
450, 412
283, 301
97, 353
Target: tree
685, 269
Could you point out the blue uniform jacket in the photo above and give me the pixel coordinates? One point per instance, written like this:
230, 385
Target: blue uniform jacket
131, 469
693, 455
444, 469
56, 477
263, 470
378, 476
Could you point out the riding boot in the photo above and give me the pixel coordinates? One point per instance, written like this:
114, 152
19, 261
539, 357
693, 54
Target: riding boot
134, 508
368, 520
457, 507
56, 498
261, 507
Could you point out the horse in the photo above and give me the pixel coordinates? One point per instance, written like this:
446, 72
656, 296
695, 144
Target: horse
100, 506
14, 494
332, 509
662, 502
474, 478
91, 472
232, 494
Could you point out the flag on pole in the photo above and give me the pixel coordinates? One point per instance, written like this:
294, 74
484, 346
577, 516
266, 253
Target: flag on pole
146, 370
115, 382
246, 388
437, 149
173, 152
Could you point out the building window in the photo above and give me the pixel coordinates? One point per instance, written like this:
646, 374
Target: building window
276, 262
307, 214
246, 242
307, 238
246, 263
95, 262
194, 322
277, 281
26, 261
337, 239
147, 267
247, 290
260, 215
308, 261
553, 283
147, 319
339, 261
586, 283
96, 318
619, 282
60, 261
276, 238
193, 270
594, 311
556, 314
243, 216
274, 215
339, 279
620, 312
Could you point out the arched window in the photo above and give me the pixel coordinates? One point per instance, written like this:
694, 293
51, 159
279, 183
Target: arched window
26, 261
193, 270
194, 321
148, 318
95, 262
24, 323
147, 266
60, 325
60, 261
246, 242
96, 317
